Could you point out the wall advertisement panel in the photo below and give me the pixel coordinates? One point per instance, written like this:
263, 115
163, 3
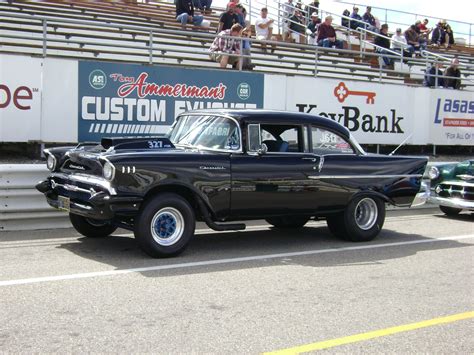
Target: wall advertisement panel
374, 113
451, 120
134, 100
20, 98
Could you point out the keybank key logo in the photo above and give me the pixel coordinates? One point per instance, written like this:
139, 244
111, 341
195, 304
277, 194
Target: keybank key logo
243, 91
97, 79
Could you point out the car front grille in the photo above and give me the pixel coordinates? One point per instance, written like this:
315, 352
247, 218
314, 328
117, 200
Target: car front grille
456, 190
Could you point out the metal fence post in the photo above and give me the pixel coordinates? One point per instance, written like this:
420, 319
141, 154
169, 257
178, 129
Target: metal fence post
45, 34
150, 58
316, 58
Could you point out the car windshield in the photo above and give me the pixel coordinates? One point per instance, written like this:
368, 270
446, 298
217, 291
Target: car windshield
211, 132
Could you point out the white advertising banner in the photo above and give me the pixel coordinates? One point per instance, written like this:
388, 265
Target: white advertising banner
20, 98
374, 113
451, 120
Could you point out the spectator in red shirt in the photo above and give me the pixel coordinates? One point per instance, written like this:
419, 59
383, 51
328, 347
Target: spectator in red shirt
327, 35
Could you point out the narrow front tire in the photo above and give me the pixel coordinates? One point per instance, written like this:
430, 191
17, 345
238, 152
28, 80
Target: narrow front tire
91, 228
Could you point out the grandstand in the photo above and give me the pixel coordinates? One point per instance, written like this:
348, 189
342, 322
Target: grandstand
147, 32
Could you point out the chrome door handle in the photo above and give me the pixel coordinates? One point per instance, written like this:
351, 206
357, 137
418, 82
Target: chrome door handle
313, 160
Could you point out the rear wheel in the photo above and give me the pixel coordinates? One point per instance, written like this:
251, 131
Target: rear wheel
361, 221
450, 211
92, 228
165, 225
288, 221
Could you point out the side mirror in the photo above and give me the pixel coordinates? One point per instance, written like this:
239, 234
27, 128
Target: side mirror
263, 149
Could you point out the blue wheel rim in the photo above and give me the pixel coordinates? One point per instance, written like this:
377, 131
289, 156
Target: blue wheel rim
167, 226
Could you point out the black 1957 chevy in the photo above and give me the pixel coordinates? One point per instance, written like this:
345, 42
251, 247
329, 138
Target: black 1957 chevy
222, 166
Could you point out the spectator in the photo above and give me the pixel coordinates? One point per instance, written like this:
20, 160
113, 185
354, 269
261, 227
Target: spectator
241, 13
312, 7
327, 35
432, 76
422, 26
246, 50
449, 31
369, 19
312, 29
383, 44
356, 21
413, 40
296, 26
264, 28
345, 22
399, 43
422, 38
288, 10
185, 13
228, 18
226, 50
203, 5
453, 72
439, 37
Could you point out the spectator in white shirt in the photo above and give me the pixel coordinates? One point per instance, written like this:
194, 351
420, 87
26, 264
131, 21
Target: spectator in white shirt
399, 43
264, 28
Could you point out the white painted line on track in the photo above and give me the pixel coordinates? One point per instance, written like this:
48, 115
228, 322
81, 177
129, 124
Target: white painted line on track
222, 261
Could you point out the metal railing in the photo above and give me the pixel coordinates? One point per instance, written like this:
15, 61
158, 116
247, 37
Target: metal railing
148, 46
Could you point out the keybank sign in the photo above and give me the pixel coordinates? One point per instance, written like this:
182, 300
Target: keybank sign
134, 100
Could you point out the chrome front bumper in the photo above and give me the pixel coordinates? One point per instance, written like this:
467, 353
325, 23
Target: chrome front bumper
422, 197
451, 202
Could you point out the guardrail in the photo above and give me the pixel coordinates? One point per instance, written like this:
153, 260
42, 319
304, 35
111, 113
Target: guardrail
22, 207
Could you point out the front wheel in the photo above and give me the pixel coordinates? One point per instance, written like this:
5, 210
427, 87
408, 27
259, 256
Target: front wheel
361, 221
450, 211
91, 228
288, 221
165, 225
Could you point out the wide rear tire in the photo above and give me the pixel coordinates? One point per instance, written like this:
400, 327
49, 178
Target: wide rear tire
165, 225
450, 211
91, 228
288, 221
361, 221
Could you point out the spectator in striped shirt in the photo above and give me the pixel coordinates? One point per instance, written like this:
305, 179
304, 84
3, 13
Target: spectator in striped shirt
225, 49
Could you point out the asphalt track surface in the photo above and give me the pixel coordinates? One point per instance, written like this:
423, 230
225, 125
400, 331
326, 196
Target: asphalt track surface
261, 290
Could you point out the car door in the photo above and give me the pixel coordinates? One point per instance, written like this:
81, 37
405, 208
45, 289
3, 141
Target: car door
275, 182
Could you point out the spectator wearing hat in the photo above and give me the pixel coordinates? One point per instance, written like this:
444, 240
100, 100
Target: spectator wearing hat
327, 35
447, 28
433, 76
312, 29
413, 40
454, 75
296, 26
399, 42
382, 43
226, 47
345, 22
185, 13
228, 18
312, 7
439, 37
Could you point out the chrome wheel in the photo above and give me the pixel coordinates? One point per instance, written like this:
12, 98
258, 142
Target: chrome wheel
167, 226
366, 213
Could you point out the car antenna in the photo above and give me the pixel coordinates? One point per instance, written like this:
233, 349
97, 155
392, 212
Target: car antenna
402, 143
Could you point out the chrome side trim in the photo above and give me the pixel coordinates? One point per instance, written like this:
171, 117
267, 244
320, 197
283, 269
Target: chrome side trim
317, 177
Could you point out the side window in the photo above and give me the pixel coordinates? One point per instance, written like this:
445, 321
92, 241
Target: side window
282, 138
327, 142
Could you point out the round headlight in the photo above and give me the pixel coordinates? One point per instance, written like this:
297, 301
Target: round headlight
433, 173
109, 171
51, 162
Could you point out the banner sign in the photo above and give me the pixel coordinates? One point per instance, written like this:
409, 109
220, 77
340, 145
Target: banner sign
135, 100
374, 113
452, 117
20, 98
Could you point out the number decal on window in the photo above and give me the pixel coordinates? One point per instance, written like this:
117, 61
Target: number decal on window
155, 144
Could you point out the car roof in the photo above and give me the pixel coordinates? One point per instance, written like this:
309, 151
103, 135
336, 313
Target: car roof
275, 116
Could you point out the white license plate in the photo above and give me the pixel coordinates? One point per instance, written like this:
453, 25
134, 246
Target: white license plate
64, 203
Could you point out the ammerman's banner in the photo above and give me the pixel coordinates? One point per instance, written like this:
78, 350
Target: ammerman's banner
137, 100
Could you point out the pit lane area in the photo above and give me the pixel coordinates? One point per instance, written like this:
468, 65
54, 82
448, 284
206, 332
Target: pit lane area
241, 292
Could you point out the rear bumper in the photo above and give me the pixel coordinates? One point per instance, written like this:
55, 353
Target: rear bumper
88, 196
423, 195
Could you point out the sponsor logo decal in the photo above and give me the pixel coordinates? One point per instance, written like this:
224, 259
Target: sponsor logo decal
97, 79
243, 91
342, 92
450, 107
